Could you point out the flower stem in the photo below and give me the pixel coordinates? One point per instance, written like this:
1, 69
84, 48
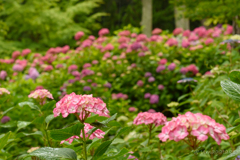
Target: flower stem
150, 134
84, 145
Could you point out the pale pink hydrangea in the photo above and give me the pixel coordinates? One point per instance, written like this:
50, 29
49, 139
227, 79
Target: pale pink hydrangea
41, 95
193, 128
147, 118
82, 104
87, 127
156, 31
4, 90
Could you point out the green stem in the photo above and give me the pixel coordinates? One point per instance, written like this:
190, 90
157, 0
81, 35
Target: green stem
150, 134
84, 145
47, 138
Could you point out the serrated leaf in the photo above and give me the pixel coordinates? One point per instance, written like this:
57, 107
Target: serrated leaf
62, 134
4, 140
30, 104
54, 153
49, 105
231, 89
49, 118
22, 124
235, 76
101, 149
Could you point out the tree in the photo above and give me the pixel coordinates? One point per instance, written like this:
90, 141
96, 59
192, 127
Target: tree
48, 23
215, 11
147, 17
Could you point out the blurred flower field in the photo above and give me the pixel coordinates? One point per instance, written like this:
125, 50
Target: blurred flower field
113, 97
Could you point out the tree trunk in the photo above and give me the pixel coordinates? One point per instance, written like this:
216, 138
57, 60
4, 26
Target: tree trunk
147, 17
236, 29
180, 20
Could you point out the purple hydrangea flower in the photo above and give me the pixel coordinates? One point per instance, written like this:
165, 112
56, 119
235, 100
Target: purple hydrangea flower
140, 83
160, 68
172, 66
160, 87
148, 74
147, 95
108, 85
18, 68
154, 99
87, 88
151, 79
5, 119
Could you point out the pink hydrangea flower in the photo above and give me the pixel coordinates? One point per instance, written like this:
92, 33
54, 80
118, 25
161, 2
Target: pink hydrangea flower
147, 118
172, 42
193, 128
87, 127
80, 104
177, 31
78, 35
156, 31
41, 95
186, 33
3, 75
209, 41
185, 43
4, 90
192, 68
103, 32
26, 52
16, 54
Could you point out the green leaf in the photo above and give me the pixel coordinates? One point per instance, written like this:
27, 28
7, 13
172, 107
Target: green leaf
22, 124
94, 143
30, 104
122, 131
237, 121
92, 119
231, 89
54, 153
101, 149
38, 120
49, 118
234, 154
4, 140
9, 124
230, 129
9, 109
117, 155
62, 134
98, 125
49, 105
235, 76
22, 134
105, 122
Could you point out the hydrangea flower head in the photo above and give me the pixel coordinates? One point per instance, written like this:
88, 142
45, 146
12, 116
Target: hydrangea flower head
4, 90
147, 118
80, 104
41, 95
193, 129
